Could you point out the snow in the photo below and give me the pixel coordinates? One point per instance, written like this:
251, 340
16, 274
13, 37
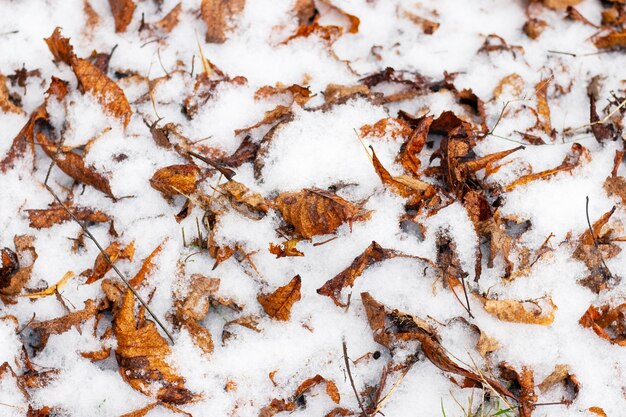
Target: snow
317, 149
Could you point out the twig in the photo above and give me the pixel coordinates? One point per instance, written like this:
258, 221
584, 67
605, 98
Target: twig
103, 253
562, 53
469, 308
356, 394
595, 240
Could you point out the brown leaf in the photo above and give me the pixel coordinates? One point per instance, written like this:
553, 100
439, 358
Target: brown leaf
561, 374
315, 212
412, 188
559, 4
101, 266
524, 384
597, 410
388, 126
614, 39
90, 78
122, 11
534, 27
11, 283
428, 26
91, 17
176, 179
276, 406
331, 388
410, 150
578, 155
373, 254
6, 105
217, 15
287, 248
56, 214
145, 410
406, 327
97, 355
169, 22
141, 355
146, 267
513, 82
196, 303
607, 322
63, 324
486, 344
243, 199
529, 312
278, 304
276, 115
339, 94
304, 11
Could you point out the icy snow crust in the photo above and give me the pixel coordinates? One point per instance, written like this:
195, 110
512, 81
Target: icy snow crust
316, 149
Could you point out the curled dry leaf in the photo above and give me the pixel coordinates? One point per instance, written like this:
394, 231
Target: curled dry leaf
315, 212
6, 105
410, 150
607, 322
614, 184
90, 78
12, 281
217, 15
241, 197
53, 289
409, 187
543, 108
122, 11
373, 254
194, 307
276, 406
146, 267
170, 21
578, 155
176, 180
101, 265
613, 39
512, 82
141, 355
561, 375
524, 385
331, 387
287, 248
62, 324
428, 26
593, 251
598, 411
387, 127
339, 94
406, 327
278, 304
97, 355
142, 412
529, 312
486, 344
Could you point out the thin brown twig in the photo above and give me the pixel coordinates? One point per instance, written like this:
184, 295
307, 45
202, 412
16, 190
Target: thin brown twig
103, 253
356, 394
595, 240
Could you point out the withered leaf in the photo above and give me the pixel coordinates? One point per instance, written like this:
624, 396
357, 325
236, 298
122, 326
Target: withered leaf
90, 78
56, 214
287, 248
410, 150
543, 108
607, 322
331, 387
529, 312
524, 384
276, 406
6, 105
176, 179
278, 304
63, 324
406, 327
53, 289
315, 212
9, 265
217, 15
559, 4
373, 254
146, 267
97, 355
122, 11
561, 375
428, 26
101, 265
240, 197
486, 344
11, 283
614, 39
169, 22
412, 188
141, 355
142, 412
388, 126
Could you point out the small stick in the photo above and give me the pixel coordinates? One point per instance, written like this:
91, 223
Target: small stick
593, 236
469, 308
356, 394
102, 252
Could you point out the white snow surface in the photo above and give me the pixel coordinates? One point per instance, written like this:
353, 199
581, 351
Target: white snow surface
317, 149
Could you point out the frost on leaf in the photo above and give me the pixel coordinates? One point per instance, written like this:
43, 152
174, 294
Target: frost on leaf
539, 311
142, 356
278, 304
607, 322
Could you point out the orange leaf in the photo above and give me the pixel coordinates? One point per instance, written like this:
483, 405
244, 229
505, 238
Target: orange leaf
122, 11
217, 15
176, 179
278, 304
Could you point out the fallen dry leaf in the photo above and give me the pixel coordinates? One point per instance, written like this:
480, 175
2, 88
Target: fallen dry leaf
170, 21
331, 388
62, 324
53, 289
561, 375
217, 15
524, 384
529, 312
122, 11
287, 248
176, 180
278, 304
12, 281
607, 322
101, 265
315, 212
6, 105
146, 267
55, 214
141, 355
90, 78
